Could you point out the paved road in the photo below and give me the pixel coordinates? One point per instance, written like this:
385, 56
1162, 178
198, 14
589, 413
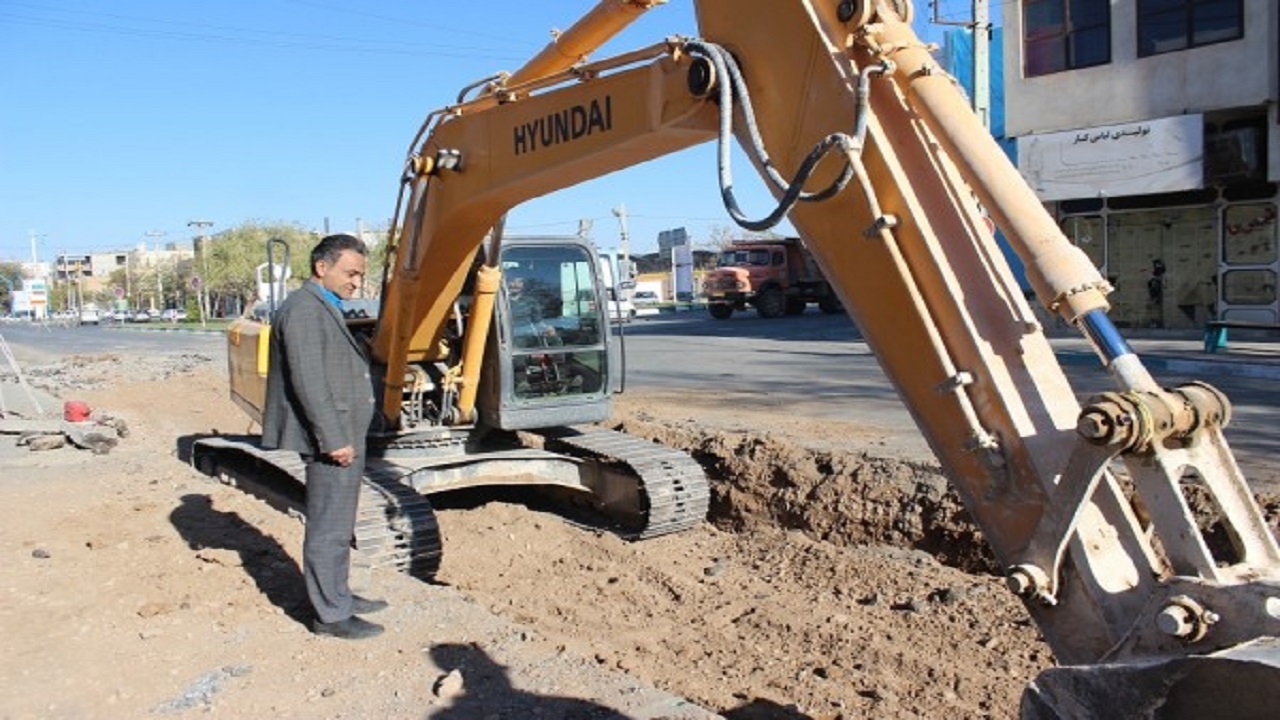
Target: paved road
813, 365
39, 343
818, 366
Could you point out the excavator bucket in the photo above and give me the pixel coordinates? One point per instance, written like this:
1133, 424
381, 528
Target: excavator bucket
1241, 682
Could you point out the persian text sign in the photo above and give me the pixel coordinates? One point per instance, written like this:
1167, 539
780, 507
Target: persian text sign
1138, 158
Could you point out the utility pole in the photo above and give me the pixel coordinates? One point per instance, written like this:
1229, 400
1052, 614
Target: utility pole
159, 274
62, 268
980, 26
200, 225
982, 61
35, 260
128, 287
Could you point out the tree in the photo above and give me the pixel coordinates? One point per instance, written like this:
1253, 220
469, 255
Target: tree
229, 269
10, 280
721, 236
377, 259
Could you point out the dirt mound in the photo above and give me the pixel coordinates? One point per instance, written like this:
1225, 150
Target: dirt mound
841, 497
103, 370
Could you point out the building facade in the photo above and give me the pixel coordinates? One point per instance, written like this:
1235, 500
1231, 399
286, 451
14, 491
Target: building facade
140, 278
1150, 128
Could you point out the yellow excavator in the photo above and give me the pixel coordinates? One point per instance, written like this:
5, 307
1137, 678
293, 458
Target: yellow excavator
876, 159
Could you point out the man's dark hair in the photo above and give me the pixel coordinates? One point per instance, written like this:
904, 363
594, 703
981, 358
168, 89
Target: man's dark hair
331, 247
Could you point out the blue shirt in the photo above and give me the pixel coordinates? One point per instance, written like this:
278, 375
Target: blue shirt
331, 296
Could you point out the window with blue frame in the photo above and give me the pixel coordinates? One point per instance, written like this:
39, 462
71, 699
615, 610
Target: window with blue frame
1060, 35
1171, 25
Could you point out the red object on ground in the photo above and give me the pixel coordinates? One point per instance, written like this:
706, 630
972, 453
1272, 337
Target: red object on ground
75, 411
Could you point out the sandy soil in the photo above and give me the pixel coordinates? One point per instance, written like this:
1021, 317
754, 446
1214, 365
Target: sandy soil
827, 583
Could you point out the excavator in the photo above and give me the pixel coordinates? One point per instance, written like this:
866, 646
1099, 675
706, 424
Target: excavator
876, 159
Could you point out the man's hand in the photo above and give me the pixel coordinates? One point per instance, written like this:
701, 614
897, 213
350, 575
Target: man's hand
343, 456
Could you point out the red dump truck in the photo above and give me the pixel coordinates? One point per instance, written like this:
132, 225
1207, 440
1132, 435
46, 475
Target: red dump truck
776, 277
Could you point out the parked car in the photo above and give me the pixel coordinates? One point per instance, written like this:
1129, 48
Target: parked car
89, 316
645, 297
173, 315
141, 316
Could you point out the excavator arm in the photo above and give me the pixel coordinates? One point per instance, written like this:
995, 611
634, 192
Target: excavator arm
517, 142
889, 178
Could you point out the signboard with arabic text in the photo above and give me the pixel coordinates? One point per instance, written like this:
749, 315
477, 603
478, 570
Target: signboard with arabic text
1139, 158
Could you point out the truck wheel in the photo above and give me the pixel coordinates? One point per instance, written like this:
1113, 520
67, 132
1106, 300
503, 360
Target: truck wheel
796, 306
771, 303
830, 305
720, 311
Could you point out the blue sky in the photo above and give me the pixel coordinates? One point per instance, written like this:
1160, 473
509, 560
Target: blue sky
122, 120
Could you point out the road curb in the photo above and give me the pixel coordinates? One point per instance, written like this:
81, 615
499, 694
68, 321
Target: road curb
1204, 368
164, 329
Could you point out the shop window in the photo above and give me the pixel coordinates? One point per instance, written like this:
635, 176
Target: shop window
1250, 191
1082, 205
1065, 35
1170, 25
1249, 236
1163, 265
1087, 233
1206, 196
1249, 287
1236, 152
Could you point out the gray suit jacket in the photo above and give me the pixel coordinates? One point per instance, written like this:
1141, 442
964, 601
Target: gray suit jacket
319, 393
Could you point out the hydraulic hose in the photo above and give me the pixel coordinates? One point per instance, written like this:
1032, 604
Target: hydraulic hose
732, 86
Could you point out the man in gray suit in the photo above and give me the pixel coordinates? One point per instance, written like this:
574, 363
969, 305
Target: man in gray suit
320, 404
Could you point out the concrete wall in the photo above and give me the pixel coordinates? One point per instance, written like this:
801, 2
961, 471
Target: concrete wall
1240, 73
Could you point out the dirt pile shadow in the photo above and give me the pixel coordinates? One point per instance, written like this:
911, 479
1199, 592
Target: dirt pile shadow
844, 498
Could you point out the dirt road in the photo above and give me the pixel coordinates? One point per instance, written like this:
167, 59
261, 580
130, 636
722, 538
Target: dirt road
827, 584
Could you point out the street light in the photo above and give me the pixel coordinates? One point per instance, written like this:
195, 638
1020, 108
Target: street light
203, 288
620, 212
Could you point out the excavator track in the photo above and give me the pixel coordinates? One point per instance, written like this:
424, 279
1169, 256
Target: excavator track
396, 526
675, 488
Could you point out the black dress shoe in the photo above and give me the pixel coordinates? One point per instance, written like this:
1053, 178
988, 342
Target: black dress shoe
352, 628
364, 606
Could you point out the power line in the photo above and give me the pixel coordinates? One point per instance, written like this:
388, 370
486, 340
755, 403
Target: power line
132, 26
399, 21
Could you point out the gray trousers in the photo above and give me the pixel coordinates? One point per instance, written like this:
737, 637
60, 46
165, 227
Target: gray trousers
333, 493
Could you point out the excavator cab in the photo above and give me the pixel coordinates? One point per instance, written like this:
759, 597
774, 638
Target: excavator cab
549, 361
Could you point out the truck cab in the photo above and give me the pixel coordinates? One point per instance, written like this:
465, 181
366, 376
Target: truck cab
776, 277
